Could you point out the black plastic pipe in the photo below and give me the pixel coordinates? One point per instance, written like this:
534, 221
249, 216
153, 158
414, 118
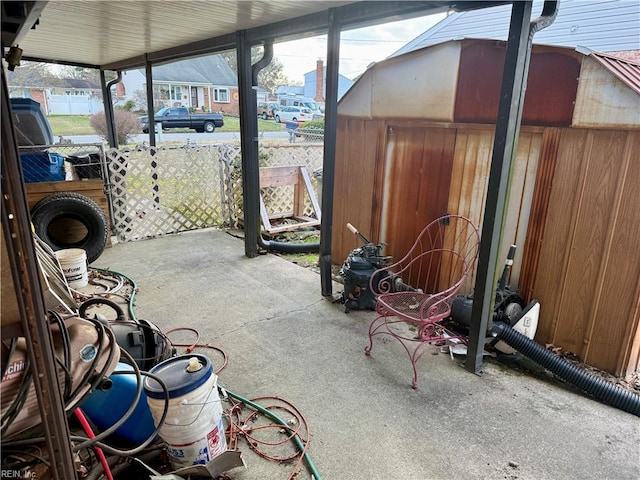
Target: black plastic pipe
599, 388
267, 56
282, 247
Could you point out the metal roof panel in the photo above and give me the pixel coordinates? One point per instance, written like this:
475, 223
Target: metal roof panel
627, 71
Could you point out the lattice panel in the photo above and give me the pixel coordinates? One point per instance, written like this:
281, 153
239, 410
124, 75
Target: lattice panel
162, 190
231, 182
280, 199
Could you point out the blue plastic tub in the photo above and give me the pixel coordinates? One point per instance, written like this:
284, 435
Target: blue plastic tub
42, 167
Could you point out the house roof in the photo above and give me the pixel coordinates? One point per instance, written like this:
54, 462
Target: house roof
601, 25
324, 75
31, 78
210, 69
80, 83
290, 90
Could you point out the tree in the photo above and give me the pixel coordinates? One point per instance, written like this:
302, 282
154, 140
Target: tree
80, 73
33, 74
270, 77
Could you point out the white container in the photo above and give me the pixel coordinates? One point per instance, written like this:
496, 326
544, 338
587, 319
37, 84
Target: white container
193, 429
73, 262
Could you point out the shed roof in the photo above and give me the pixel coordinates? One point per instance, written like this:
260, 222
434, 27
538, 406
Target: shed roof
625, 70
601, 25
565, 87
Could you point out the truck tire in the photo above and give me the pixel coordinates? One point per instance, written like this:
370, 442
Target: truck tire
209, 127
277, 118
56, 217
265, 116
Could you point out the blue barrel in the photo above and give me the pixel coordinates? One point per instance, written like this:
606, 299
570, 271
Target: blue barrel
106, 408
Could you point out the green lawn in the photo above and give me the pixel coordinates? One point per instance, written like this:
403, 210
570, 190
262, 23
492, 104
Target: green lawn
79, 125
70, 125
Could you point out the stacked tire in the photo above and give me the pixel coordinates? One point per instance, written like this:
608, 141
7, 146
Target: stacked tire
71, 220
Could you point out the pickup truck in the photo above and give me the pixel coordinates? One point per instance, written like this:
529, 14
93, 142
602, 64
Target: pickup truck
179, 117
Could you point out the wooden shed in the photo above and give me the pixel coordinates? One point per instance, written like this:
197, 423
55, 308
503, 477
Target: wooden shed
415, 138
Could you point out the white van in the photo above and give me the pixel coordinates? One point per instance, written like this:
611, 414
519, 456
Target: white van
302, 102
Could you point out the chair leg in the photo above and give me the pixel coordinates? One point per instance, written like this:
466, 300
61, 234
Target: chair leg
380, 326
375, 324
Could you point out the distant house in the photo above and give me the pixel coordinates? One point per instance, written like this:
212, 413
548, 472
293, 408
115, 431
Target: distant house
201, 83
600, 25
262, 95
58, 96
315, 85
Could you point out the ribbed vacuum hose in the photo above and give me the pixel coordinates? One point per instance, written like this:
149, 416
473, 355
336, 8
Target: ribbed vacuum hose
597, 387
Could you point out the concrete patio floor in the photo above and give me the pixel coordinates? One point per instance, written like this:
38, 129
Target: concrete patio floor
283, 338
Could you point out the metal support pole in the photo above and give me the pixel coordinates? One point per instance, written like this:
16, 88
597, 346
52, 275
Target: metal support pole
151, 122
514, 83
151, 119
329, 160
249, 147
112, 135
509, 113
24, 269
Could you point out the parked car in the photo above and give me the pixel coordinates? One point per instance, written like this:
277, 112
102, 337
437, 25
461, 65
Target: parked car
267, 110
295, 114
179, 117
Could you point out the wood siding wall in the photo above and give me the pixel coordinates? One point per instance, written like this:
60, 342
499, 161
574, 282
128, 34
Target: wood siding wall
422, 171
469, 183
573, 213
588, 274
360, 148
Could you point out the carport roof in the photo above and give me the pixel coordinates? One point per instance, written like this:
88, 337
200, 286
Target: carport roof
117, 34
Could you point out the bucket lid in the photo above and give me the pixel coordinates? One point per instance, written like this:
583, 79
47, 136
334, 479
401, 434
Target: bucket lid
179, 375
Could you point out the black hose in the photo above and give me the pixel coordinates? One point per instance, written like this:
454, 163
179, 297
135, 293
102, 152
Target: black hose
282, 247
101, 301
599, 388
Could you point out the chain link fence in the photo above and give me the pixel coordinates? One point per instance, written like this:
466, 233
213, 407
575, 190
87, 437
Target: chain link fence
55, 163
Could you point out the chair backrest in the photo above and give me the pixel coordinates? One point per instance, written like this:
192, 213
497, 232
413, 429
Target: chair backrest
441, 258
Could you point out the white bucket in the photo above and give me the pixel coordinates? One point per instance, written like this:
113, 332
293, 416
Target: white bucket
74, 266
193, 429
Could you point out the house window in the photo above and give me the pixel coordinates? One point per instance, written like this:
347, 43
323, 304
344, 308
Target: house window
221, 95
176, 92
160, 92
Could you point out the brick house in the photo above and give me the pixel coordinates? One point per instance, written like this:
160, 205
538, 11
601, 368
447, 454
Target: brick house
202, 84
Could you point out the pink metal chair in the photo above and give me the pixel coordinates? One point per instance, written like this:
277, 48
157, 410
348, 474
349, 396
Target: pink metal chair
414, 294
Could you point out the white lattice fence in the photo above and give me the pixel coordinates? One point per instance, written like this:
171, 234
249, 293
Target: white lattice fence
162, 190
280, 199
156, 191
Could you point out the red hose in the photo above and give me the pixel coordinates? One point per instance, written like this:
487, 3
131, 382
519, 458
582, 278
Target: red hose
99, 453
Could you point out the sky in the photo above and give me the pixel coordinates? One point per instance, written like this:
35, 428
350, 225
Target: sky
358, 48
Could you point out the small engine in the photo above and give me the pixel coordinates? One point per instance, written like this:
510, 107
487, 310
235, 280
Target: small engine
357, 271
509, 308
